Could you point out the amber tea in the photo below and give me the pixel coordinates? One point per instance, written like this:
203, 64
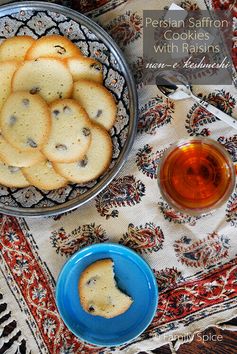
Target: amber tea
196, 175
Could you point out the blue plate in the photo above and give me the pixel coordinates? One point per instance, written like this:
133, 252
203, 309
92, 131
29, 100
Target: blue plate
133, 276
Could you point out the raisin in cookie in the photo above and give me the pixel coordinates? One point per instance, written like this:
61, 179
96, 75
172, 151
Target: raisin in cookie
12, 176
94, 162
14, 157
85, 68
25, 121
50, 78
98, 291
43, 176
52, 46
97, 101
7, 70
70, 134
15, 48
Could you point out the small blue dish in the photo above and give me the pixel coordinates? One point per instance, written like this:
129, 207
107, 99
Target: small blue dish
133, 276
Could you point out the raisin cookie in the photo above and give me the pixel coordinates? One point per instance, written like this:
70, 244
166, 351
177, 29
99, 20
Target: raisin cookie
98, 291
12, 176
85, 68
7, 70
97, 101
14, 157
25, 121
70, 135
50, 78
15, 48
94, 162
52, 46
43, 176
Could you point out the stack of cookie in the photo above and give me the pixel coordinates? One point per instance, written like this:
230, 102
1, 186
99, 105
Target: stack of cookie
55, 114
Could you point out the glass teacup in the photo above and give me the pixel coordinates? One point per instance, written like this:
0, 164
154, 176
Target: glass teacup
196, 175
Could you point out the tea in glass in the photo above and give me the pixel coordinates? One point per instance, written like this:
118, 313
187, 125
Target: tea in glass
196, 175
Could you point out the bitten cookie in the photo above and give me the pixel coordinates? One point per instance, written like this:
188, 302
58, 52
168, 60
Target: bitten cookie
43, 176
25, 121
7, 70
85, 68
96, 160
13, 157
15, 48
50, 78
70, 134
98, 291
52, 46
97, 101
11, 176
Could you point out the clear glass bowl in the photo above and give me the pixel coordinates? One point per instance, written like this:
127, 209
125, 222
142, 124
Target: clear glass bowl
196, 175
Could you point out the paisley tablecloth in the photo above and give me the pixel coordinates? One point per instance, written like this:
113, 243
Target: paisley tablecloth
193, 258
